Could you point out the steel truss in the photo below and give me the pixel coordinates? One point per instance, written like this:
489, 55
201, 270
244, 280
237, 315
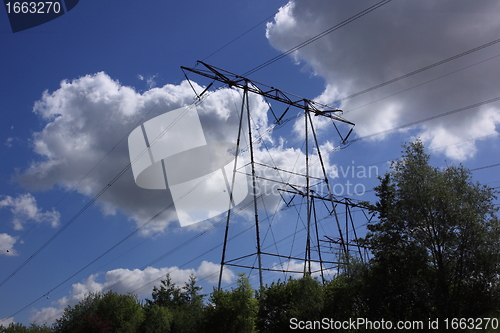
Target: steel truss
308, 191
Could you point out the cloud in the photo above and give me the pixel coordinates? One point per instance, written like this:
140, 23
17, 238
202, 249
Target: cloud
6, 244
396, 39
7, 321
123, 281
83, 145
150, 81
24, 208
87, 124
9, 142
46, 316
298, 268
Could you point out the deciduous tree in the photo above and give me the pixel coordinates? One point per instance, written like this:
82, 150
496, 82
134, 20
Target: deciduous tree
232, 311
436, 246
109, 312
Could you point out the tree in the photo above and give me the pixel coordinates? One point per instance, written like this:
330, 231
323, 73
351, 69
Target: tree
157, 319
436, 245
232, 311
344, 294
109, 312
283, 300
20, 328
168, 295
184, 304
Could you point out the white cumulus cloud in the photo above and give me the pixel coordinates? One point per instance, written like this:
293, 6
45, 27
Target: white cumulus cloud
6, 245
395, 39
87, 123
83, 145
297, 267
123, 281
24, 208
6, 321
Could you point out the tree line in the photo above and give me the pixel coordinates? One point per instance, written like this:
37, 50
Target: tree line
435, 258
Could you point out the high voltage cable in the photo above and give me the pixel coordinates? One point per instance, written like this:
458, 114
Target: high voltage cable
88, 204
485, 167
318, 36
441, 147
419, 85
104, 189
427, 119
418, 70
241, 35
101, 192
418, 122
475, 169
178, 247
85, 208
92, 169
166, 254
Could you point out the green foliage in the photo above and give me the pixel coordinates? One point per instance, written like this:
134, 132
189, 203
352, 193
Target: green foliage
344, 295
184, 304
281, 301
232, 311
168, 295
436, 245
20, 328
109, 312
436, 254
157, 319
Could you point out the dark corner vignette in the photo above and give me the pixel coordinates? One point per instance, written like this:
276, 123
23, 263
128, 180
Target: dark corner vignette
25, 15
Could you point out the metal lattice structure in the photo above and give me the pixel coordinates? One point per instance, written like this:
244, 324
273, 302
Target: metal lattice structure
307, 191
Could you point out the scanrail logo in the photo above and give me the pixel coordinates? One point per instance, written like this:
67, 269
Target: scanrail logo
171, 152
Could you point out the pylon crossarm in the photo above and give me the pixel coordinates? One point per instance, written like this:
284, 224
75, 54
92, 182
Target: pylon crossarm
234, 80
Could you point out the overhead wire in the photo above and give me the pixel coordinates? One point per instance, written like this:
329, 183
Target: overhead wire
318, 36
418, 85
420, 70
441, 147
67, 224
241, 35
99, 194
427, 119
171, 251
93, 168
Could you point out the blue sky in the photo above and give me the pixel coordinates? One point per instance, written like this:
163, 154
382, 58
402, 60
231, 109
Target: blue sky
73, 89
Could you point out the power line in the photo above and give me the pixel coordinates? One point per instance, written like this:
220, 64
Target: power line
99, 162
426, 119
80, 212
318, 36
169, 252
241, 35
485, 167
419, 70
129, 165
441, 147
101, 192
475, 169
419, 85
